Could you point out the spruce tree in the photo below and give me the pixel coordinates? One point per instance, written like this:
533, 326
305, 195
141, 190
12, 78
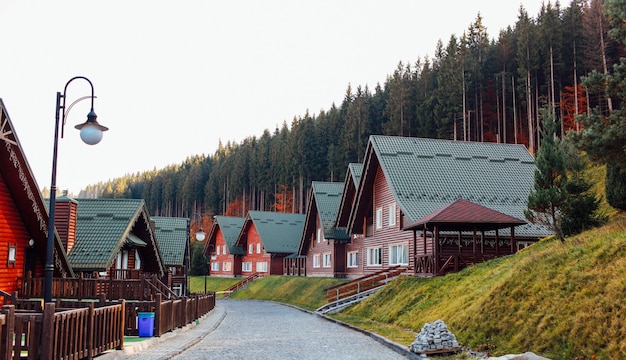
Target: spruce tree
580, 211
549, 193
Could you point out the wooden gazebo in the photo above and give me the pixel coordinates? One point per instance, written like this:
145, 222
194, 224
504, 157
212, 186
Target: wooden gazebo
449, 247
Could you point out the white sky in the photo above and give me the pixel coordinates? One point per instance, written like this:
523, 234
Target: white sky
172, 78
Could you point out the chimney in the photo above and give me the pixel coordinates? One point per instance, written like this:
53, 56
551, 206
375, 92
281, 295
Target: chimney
65, 221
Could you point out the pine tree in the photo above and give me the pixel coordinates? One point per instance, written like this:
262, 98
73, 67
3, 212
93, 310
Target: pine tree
580, 211
549, 194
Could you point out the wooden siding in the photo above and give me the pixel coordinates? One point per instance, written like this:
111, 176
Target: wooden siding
386, 235
355, 245
12, 232
65, 222
222, 258
252, 238
319, 248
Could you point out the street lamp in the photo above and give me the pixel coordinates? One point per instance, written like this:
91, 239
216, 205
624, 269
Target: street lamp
91, 134
200, 236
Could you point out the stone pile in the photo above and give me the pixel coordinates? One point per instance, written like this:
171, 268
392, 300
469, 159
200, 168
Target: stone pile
434, 338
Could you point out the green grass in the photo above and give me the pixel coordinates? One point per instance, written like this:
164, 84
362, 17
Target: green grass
306, 293
196, 283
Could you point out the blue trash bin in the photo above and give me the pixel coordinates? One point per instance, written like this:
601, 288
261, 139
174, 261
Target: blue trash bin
145, 324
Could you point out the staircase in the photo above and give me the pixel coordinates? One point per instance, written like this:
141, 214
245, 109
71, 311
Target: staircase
343, 295
240, 285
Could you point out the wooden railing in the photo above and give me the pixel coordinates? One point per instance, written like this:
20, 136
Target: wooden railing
123, 285
361, 284
242, 283
71, 334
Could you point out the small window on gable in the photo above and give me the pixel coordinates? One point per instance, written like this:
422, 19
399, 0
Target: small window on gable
258, 248
218, 250
379, 218
224, 249
250, 249
392, 214
12, 255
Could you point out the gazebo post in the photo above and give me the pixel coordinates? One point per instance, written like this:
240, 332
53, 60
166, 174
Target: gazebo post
497, 244
436, 247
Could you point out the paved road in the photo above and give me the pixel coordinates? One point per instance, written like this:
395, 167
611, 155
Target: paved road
265, 330
246, 329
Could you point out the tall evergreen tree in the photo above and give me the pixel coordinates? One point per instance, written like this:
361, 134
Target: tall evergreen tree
549, 194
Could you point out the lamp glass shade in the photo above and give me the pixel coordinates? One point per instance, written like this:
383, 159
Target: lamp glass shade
90, 134
200, 235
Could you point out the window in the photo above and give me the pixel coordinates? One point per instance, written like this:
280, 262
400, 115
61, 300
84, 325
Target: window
379, 218
353, 259
319, 235
12, 254
227, 266
224, 250
316, 260
258, 248
392, 214
218, 250
328, 260
375, 256
246, 266
137, 260
215, 266
261, 266
399, 254
250, 249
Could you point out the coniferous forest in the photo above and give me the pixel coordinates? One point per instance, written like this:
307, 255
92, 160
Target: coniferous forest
476, 87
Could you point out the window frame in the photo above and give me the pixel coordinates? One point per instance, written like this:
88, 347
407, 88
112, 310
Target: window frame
246, 266
215, 266
327, 260
394, 254
392, 214
352, 260
317, 261
261, 266
375, 250
378, 218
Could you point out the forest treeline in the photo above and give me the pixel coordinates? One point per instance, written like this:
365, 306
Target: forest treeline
474, 88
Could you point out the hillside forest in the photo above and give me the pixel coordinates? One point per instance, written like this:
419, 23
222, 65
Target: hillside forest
476, 87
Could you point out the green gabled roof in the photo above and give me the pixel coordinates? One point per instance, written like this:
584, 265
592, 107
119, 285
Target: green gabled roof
279, 232
102, 228
426, 174
172, 236
327, 197
355, 171
231, 227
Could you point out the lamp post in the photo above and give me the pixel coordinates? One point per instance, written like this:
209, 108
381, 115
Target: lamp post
91, 134
200, 235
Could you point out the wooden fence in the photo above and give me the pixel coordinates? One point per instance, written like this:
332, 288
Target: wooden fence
60, 334
129, 286
82, 329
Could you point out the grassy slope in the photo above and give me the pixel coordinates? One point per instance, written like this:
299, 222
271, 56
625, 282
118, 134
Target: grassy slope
561, 300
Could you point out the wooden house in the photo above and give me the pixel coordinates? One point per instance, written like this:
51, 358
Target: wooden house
266, 238
23, 216
172, 235
354, 249
405, 180
115, 238
225, 256
323, 245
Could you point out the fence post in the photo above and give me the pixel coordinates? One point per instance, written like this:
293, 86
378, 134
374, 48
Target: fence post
157, 314
90, 339
8, 331
122, 324
47, 332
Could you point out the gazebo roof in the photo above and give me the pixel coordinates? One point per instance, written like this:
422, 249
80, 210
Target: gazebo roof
464, 215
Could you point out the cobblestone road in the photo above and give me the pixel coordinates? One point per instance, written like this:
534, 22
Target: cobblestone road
266, 330
246, 329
